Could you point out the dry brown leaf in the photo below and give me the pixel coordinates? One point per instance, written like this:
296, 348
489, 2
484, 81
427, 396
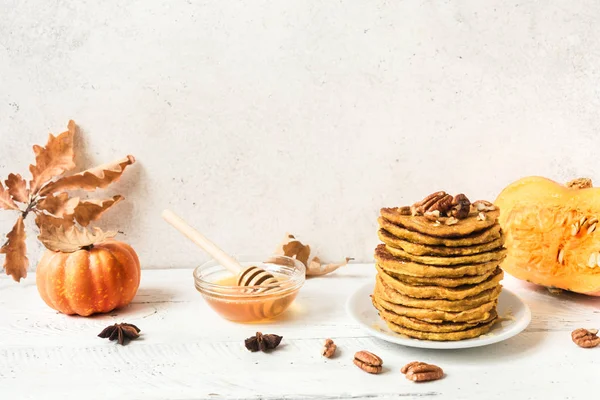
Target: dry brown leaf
6, 202
295, 249
17, 187
53, 160
90, 210
91, 179
16, 262
72, 239
59, 205
291, 247
44, 221
316, 268
56, 214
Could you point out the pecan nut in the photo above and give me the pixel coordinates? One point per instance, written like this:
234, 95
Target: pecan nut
461, 206
368, 362
441, 204
329, 348
586, 338
417, 371
424, 205
484, 205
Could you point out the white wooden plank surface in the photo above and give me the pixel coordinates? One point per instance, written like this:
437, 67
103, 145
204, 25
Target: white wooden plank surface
187, 352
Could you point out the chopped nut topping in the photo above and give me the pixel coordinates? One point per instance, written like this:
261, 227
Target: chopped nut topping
451, 221
441, 204
484, 205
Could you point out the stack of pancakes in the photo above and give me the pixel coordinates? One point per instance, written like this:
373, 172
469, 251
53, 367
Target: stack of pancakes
438, 277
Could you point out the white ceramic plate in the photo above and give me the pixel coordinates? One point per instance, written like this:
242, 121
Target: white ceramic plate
514, 318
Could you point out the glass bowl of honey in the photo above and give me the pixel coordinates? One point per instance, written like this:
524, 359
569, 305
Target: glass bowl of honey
236, 303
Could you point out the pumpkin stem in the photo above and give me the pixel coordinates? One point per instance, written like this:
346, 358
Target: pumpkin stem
580, 183
88, 247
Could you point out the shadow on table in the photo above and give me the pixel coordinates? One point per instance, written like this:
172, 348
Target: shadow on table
511, 349
146, 303
311, 309
542, 293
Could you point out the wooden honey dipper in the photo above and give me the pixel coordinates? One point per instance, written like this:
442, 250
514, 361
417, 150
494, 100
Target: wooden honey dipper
251, 276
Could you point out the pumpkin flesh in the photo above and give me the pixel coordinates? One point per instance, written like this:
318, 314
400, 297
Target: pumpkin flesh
539, 218
89, 281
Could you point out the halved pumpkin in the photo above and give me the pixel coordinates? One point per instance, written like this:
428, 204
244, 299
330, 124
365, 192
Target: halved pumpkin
551, 233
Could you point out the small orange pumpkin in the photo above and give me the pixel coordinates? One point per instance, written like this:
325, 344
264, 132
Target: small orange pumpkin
96, 279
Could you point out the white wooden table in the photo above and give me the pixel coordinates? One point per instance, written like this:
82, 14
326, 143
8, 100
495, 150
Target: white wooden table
188, 352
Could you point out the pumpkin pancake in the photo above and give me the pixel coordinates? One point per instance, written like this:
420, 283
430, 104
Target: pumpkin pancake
436, 316
441, 281
440, 292
447, 336
443, 251
424, 225
480, 237
406, 267
423, 326
393, 296
496, 255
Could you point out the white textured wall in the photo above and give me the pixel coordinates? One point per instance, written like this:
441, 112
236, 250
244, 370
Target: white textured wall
253, 118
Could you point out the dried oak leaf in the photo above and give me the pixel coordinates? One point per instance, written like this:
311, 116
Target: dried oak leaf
16, 262
17, 187
94, 178
6, 201
317, 268
59, 205
53, 160
90, 210
44, 221
69, 240
291, 247
295, 249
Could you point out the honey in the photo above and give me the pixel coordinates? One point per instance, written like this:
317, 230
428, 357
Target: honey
236, 304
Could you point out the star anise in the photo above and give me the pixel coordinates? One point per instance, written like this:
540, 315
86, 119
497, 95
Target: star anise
120, 332
262, 342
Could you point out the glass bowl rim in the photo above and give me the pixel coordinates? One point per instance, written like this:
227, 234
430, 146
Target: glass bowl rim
298, 276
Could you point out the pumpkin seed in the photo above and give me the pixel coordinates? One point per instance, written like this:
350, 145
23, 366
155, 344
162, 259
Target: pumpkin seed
591, 229
593, 259
575, 229
561, 256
